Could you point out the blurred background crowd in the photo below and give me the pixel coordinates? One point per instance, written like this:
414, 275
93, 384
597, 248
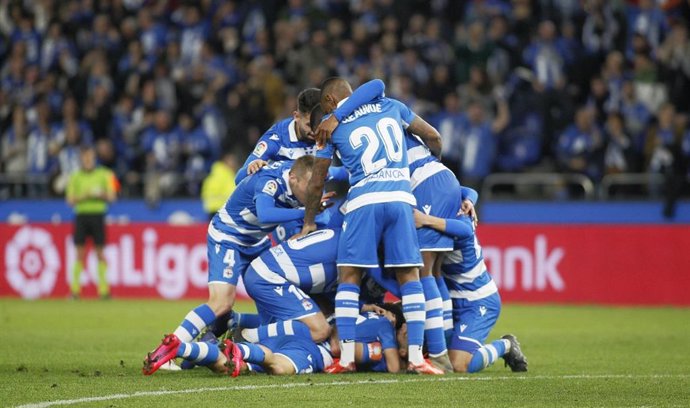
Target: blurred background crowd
163, 88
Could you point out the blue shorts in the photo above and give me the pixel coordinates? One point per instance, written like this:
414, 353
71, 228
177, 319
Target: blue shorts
228, 261
366, 227
472, 322
278, 301
439, 195
303, 353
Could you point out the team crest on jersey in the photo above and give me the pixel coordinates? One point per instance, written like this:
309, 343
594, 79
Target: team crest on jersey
270, 187
227, 273
260, 149
307, 304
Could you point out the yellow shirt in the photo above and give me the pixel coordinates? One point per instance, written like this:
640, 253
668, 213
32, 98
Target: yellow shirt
217, 187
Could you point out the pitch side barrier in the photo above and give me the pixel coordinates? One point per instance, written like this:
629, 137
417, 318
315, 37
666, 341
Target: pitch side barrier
581, 253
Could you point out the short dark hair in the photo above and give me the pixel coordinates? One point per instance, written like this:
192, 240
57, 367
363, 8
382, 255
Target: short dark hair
307, 99
315, 116
329, 84
396, 309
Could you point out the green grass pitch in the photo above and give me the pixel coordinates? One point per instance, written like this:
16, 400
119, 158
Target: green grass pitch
89, 353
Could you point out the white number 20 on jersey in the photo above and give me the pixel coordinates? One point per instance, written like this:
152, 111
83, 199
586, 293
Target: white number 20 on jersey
388, 132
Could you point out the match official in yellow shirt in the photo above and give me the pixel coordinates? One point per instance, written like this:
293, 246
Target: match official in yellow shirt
89, 191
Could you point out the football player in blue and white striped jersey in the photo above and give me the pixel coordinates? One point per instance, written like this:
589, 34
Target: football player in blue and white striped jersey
476, 302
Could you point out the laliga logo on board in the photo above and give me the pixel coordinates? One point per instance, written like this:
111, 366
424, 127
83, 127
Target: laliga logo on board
32, 262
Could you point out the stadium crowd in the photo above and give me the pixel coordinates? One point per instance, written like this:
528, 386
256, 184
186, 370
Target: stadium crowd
162, 87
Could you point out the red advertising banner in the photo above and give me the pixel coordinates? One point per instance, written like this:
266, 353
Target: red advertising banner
602, 264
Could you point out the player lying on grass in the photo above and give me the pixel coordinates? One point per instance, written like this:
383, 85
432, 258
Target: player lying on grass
236, 235
476, 302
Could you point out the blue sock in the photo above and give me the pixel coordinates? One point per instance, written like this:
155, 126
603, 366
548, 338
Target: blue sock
202, 354
194, 323
277, 329
413, 310
248, 320
252, 353
433, 325
487, 355
255, 368
346, 313
447, 307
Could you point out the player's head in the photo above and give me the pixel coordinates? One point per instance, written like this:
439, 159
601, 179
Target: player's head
334, 90
87, 155
300, 174
315, 117
306, 100
400, 326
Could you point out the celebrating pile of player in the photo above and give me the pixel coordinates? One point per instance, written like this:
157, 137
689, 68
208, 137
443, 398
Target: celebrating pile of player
406, 227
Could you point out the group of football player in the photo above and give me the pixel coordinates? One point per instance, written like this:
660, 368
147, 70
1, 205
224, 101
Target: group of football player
318, 266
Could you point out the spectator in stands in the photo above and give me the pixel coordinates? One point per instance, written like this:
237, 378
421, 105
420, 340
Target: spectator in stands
648, 20
620, 155
579, 146
635, 114
448, 122
674, 55
162, 147
15, 148
219, 183
473, 49
660, 137
479, 140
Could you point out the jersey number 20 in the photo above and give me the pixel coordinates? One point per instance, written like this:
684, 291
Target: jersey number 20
388, 132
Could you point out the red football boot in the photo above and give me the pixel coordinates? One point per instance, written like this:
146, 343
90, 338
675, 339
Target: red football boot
425, 368
336, 368
162, 354
234, 358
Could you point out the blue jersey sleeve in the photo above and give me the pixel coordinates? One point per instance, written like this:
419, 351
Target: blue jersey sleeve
326, 152
406, 113
365, 93
337, 173
386, 335
459, 228
265, 149
470, 194
267, 212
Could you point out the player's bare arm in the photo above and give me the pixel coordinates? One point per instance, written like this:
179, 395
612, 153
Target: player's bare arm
323, 132
428, 133
314, 194
423, 220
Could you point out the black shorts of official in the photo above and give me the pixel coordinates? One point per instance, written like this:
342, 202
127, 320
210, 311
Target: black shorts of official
89, 226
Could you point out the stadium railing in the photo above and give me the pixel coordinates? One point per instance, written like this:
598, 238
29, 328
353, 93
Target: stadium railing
543, 185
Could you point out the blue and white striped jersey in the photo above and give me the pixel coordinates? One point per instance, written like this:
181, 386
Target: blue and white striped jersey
464, 269
307, 262
371, 327
237, 220
418, 154
279, 143
372, 146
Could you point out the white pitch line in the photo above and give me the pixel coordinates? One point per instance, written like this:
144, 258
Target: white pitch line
137, 394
